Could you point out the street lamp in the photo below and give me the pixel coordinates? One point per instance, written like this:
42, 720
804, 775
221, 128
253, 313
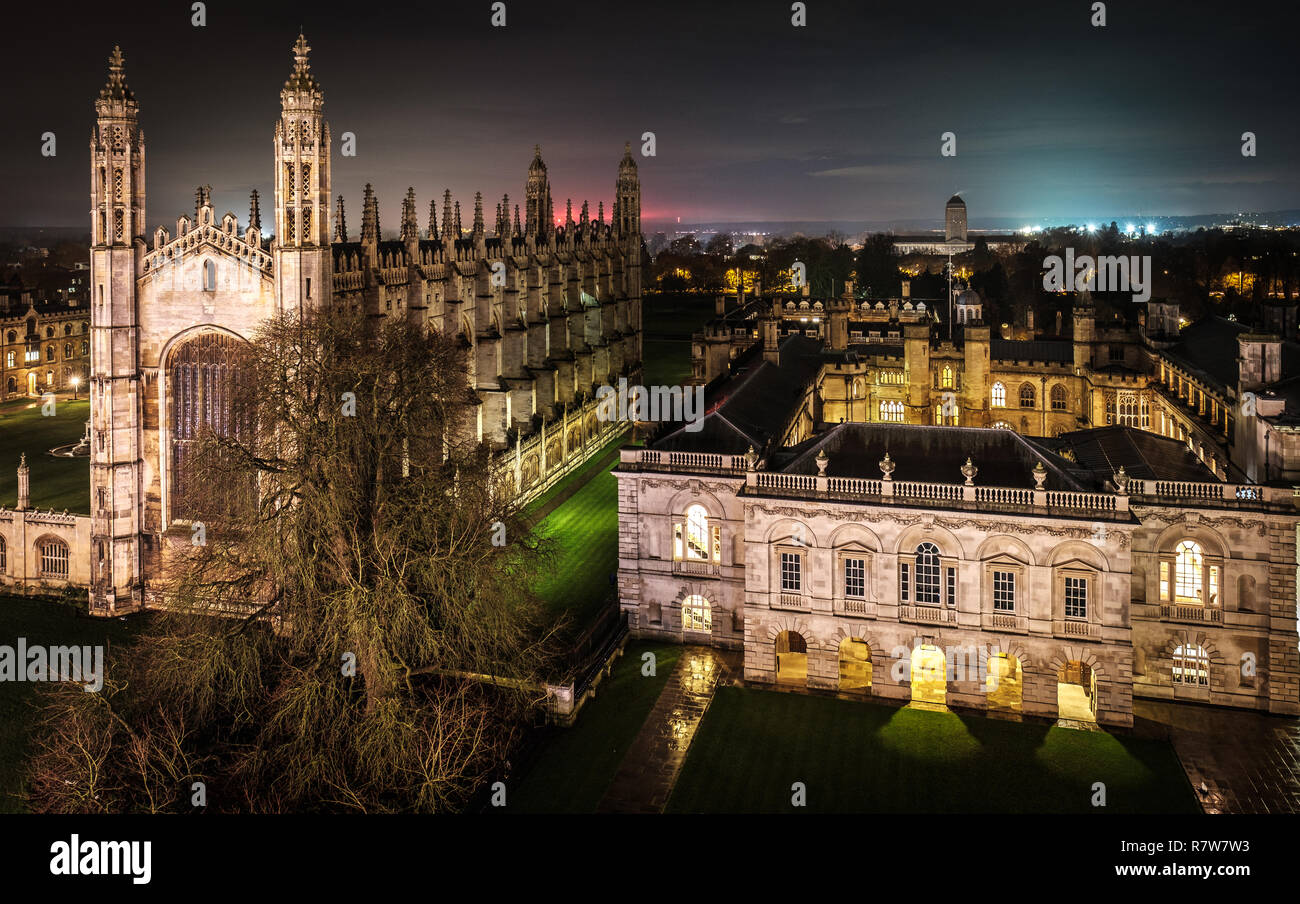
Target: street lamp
76, 381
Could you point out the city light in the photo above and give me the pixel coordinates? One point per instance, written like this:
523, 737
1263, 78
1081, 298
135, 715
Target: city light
1151, 228
1092, 227
1130, 229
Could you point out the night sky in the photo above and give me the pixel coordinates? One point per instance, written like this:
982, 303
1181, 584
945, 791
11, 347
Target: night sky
754, 119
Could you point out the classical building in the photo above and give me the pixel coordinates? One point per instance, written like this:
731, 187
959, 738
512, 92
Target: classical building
956, 239
547, 312
46, 344
843, 517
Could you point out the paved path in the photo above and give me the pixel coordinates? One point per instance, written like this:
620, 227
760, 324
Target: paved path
651, 765
1249, 762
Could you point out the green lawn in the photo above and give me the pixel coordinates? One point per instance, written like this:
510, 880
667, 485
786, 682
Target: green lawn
575, 766
48, 623
56, 483
857, 757
583, 530
668, 321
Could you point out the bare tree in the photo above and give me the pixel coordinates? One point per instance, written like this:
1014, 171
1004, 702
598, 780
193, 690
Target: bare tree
348, 627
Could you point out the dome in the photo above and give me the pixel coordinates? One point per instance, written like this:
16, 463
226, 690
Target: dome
969, 297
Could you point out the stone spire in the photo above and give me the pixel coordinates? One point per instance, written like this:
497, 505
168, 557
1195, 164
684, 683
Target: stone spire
600, 212
24, 484
301, 80
433, 218
340, 224
478, 213
568, 214
370, 217
410, 226
496, 222
505, 215
116, 93
202, 199
585, 216
254, 212
458, 230
446, 214
537, 197
518, 227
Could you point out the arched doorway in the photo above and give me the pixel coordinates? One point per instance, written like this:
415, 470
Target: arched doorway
1076, 692
31, 383
1004, 683
791, 658
855, 664
929, 675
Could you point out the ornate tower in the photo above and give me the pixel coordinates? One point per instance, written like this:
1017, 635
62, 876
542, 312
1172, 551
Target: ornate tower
302, 190
538, 216
117, 221
627, 198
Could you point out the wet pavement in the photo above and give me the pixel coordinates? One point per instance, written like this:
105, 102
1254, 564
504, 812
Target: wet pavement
650, 767
1249, 762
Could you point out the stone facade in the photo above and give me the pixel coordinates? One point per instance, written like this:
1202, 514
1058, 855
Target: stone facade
547, 312
1175, 589
44, 346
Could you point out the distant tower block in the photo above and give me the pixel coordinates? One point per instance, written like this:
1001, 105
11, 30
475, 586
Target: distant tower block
955, 220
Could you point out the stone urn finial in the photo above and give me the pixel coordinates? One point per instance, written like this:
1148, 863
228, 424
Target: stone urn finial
887, 466
1040, 475
1121, 481
751, 459
822, 461
969, 471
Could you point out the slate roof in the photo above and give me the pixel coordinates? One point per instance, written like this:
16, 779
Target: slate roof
931, 454
1102, 450
1048, 350
751, 408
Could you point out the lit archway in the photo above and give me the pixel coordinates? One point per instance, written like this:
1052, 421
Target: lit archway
791, 658
1004, 682
1076, 692
855, 664
929, 675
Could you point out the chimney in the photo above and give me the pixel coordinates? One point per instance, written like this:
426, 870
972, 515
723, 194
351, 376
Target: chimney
24, 484
907, 288
720, 305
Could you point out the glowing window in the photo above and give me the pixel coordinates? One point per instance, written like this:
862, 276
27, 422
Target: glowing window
696, 614
1188, 571
697, 533
999, 395
1191, 665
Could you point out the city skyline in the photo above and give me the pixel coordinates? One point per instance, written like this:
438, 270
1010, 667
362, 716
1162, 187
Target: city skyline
838, 120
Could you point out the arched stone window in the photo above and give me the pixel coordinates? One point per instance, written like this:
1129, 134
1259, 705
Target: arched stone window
53, 558
1058, 397
999, 395
1026, 395
1191, 665
201, 376
695, 539
891, 411
945, 380
919, 576
1188, 576
697, 615
209, 276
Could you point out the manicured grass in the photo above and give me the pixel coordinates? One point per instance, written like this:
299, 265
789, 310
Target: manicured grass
56, 483
583, 532
668, 321
47, 623
753, 745
575, 766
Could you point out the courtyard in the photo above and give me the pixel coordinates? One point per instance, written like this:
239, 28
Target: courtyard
56, 483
